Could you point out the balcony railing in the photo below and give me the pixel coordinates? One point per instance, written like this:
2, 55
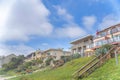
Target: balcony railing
108, 41
103, 35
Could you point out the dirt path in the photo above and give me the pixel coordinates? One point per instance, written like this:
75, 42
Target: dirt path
6, 78
2, 77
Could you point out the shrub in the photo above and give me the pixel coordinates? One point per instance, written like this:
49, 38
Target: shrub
14, 63
48, 61
103, 50
75, 56
28, 65
66, 58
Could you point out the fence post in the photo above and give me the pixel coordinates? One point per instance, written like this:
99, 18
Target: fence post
116, 56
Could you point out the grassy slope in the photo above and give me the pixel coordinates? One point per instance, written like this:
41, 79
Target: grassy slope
109, 71
8, 73
62, 73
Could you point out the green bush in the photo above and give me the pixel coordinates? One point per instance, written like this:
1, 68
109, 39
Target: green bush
48, 61
2, 71
75, 56
104, 49
28, 65
66, 58
14, 63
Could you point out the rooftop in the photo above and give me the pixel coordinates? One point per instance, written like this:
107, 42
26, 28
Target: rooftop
59, 49
81, 39
109, 27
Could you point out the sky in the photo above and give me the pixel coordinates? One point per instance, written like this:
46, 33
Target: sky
29, 25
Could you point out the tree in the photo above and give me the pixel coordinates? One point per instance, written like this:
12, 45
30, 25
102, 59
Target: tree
39, 61
75, 56
14, 63
48, 61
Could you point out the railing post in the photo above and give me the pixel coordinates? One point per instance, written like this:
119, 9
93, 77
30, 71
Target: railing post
109, 56
116, 56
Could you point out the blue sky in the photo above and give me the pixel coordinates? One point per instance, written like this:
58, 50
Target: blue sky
28, 25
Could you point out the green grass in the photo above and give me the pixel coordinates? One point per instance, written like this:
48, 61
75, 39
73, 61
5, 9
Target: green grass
1, 71
8, 73
62, 73
109, 71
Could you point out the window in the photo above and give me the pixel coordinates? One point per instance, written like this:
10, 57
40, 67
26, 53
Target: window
103, 34
118, 28
33, 54
109, 31
117, 38
105, 41
114, 30
99, 43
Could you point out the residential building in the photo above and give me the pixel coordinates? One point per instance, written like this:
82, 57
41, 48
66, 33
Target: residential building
80, 45
108, 35
29, 57
35, 55
56, 54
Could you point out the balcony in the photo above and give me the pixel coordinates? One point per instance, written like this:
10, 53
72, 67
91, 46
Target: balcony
108, 41
106, 33
90, 46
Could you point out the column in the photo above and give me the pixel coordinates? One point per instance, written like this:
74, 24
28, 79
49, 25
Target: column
77, 50
72, 51
82, 51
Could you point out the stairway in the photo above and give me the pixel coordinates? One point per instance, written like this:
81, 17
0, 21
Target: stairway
93, 64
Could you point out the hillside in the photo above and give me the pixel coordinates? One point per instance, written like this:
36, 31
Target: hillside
109, 71
62, 73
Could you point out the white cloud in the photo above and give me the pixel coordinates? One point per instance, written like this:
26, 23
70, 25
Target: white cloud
16, 49
45, 44
108, 21
5, 8
89, 21
70, 29
65, 15
22, 19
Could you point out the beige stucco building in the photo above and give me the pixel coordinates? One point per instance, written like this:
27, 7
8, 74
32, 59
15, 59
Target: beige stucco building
35, 55
56, 53
79, 46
